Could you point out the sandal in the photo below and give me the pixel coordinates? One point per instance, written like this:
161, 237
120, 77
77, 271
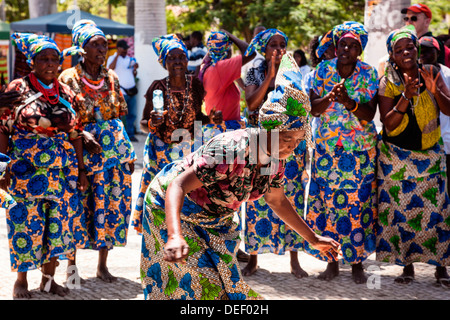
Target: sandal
403, 279
443, 281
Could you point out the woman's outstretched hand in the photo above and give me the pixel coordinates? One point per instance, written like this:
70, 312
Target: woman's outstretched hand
328, 246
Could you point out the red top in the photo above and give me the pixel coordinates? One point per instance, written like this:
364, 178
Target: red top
221, 91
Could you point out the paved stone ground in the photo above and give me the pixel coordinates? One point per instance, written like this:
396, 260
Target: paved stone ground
273, 279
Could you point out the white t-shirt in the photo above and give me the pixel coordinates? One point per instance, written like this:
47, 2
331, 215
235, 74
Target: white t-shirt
125, 74
445, 120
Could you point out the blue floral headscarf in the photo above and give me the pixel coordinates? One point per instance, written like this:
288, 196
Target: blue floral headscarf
260, 41
288, 106
31, 44
82, 32
325, 42
218, 45
164, 44
356, 29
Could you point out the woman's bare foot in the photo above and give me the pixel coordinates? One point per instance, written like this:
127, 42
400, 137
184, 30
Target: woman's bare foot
54, 287
296, 269
20, 290
331, 272
358, 274
103, 273
251, 266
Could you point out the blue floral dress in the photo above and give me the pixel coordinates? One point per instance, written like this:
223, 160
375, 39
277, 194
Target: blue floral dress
342, 200
211, 270
44, 174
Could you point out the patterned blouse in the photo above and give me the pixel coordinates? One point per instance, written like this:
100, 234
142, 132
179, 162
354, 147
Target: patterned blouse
255, 77
39, 116
338, 126
106, 97
419, 129
226, 166
191, 110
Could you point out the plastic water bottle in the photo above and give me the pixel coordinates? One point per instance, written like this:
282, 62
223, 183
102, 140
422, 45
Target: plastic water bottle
98, 114
158, 101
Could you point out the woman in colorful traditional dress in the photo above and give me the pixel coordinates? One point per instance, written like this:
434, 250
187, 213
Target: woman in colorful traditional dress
190, 240
103, 222
219, 73
264, 231
45, 148
182, 98
342, 193
413, 204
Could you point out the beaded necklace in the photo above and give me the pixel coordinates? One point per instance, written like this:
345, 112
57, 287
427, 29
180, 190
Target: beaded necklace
93, 84
50, 94
179, 113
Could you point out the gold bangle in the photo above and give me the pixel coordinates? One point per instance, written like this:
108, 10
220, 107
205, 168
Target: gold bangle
356, 107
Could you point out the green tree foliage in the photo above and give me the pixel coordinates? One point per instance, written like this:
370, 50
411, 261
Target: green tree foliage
16, 10
301, 20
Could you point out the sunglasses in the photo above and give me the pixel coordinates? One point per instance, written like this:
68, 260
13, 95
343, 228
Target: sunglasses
413, 18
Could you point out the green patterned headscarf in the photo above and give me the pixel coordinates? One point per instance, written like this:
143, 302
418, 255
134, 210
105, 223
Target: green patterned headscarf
287, 106
407, 32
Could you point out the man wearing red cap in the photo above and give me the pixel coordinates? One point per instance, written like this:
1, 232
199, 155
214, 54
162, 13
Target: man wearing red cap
419, 15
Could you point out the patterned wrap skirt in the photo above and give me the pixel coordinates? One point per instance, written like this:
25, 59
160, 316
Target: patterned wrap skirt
103, 219
44, 174
265, 232
342, 201
157, 154
211, 271
414, 213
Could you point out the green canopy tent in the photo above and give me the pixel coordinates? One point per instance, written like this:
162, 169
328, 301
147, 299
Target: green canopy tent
61, 22
4, 30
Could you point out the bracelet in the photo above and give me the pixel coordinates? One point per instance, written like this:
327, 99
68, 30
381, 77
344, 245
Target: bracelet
398, 111
356, 107
404, 96
150, 127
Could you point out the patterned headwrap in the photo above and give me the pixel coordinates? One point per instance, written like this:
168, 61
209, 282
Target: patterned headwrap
406, 32
164, 44
356, 29
82, 32
287, 107
260, 41
324, 43
218, 45
31, 44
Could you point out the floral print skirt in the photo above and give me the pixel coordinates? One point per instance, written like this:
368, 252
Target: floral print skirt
265, 232
103, 220
157, 154
342, 201
211, 271
43, 185
414, 212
